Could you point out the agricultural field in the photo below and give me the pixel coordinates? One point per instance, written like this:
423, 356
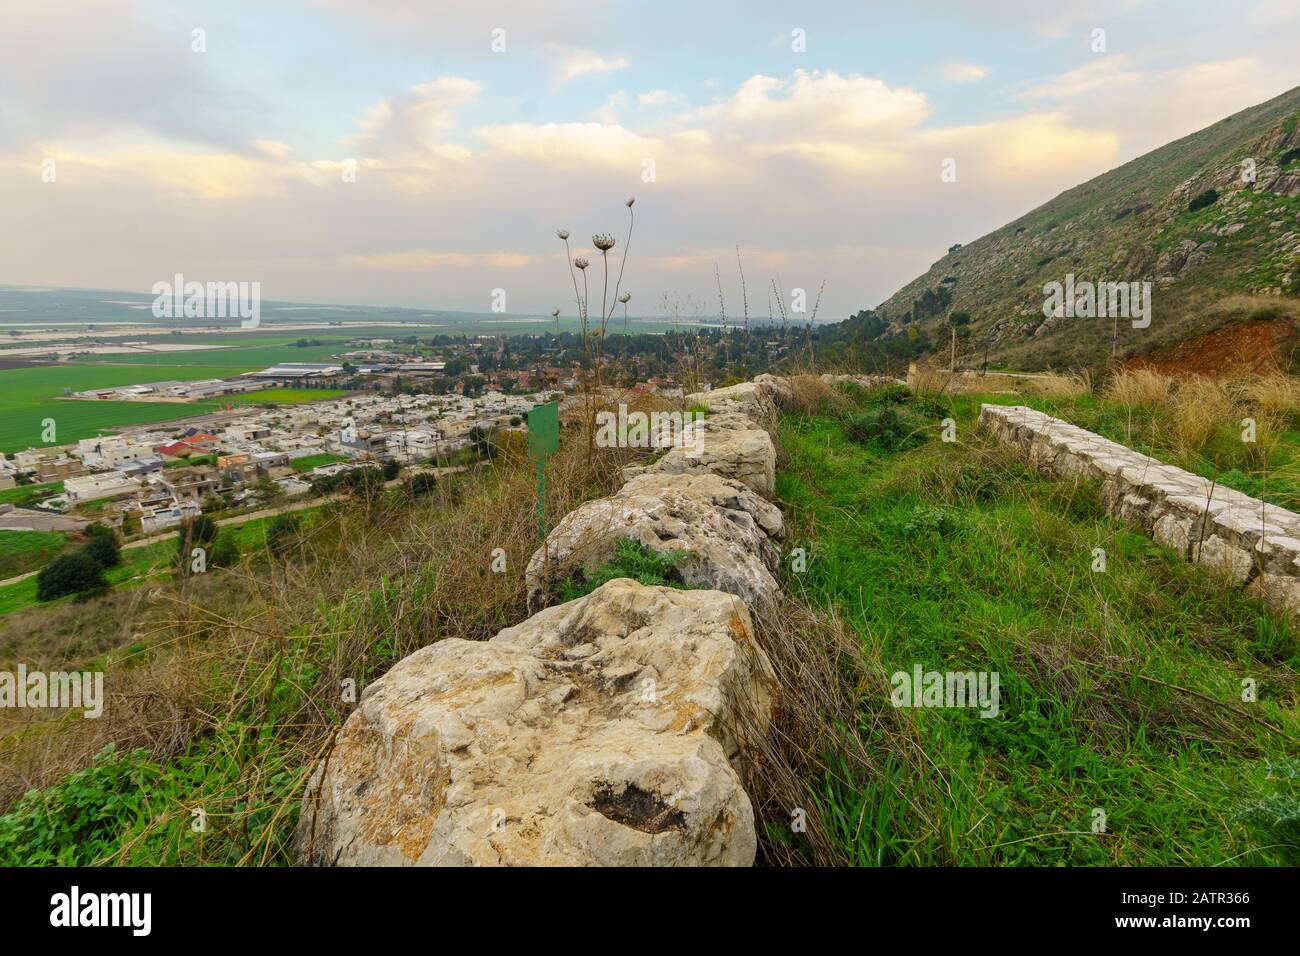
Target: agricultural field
28, 397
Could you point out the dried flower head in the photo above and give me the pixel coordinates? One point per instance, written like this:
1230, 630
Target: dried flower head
555, 313
630, 201
625, 298
581, 263
562, 233
603, 241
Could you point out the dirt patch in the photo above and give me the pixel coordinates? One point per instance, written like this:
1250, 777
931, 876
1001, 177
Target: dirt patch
1252, 347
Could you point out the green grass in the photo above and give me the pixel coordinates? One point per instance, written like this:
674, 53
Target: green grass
27, 398
956, 558
22, 495
308, 462
23, 551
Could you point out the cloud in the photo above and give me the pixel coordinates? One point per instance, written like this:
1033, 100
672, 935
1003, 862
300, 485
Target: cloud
956, 72
656, 99
417, 123
576, 63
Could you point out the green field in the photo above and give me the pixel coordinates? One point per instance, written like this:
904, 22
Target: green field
23, 551
27, 398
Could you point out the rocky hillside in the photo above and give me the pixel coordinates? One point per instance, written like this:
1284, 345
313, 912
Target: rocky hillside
1215, 246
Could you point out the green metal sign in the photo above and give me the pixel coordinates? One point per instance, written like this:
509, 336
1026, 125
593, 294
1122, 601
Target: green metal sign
543, 441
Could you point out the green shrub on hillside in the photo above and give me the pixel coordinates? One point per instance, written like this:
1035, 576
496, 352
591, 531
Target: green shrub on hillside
77, 573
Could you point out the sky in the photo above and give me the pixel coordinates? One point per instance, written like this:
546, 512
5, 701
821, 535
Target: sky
393, 152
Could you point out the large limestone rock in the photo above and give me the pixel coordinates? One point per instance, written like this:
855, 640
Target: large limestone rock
752, 398
598, 732
729, 444
727, 533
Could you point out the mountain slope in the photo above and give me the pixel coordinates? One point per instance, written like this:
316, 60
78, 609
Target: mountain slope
1210, 256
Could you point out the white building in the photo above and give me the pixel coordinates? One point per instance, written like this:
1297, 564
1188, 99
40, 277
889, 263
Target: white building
103, 485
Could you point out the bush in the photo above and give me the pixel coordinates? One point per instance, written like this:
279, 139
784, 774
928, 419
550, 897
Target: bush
196, 532
104, 549
424, 483
887, 429
77, 573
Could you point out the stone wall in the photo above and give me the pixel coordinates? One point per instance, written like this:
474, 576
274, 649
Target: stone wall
1250, 542
604, 731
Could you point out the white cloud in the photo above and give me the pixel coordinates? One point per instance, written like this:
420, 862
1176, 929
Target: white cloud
576, 63
657, 99
956, 72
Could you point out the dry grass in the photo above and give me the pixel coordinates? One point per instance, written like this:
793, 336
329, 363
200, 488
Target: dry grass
1139, 388
1201, 405
1058, 386
1273, 394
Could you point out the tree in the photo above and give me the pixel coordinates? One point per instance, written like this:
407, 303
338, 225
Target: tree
103, 548
76, 573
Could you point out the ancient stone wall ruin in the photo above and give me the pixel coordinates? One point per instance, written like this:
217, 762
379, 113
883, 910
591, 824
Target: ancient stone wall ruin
604, 731
1252, 543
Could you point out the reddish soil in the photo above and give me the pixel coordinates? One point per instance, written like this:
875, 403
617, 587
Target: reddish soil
1252, 347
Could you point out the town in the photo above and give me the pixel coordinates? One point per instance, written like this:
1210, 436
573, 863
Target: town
146, 479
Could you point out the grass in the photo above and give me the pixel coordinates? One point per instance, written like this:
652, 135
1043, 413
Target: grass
23, 495
27, 399
1119, 690
308, 462
23, 551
